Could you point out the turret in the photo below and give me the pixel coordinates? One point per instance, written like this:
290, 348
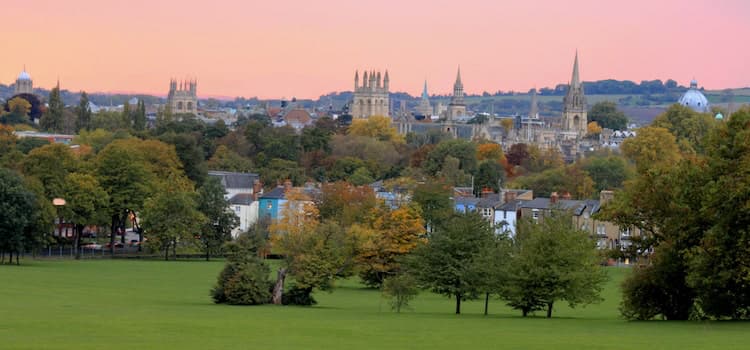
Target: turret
386, 81
356, 80
379, 81
364, 80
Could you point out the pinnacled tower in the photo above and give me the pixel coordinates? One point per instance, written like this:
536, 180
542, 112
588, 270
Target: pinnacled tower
183, 99
574, 117
457, 106
371, 98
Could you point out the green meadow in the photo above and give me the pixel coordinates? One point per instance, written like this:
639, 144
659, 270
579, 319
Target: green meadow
118, 304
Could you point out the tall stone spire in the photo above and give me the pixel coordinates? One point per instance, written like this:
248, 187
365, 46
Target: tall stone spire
575, 82
386, 81
356, 79
425, 95
458, 90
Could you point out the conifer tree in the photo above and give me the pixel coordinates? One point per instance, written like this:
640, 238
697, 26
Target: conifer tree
52, 120
83, 113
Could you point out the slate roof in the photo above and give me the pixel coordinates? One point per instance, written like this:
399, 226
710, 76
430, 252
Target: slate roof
235, 180
511, 206
576, 206
489, 202
241, 199
466, 200
276, 193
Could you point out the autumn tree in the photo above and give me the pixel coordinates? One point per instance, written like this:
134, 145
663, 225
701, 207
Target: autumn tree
689, 127
377, 127
392, 235
18, 112
346, 204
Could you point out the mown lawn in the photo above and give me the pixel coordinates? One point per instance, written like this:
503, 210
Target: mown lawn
120, 304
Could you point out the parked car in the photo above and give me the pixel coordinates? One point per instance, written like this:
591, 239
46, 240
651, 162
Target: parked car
94, 246
117, 245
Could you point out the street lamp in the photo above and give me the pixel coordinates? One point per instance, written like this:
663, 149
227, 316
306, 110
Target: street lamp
59, 202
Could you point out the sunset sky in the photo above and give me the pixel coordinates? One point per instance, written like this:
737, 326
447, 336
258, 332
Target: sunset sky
304, 49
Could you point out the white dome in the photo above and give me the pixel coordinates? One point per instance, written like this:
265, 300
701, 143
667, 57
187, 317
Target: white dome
695, 99
24, 76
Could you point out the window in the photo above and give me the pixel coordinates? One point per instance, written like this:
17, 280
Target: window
237, 208
535, 214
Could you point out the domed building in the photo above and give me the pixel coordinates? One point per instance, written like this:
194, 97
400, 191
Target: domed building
24, 84
695, 99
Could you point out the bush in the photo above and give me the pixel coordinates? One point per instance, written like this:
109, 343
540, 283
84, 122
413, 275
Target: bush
243, 283
401, 289
298, 296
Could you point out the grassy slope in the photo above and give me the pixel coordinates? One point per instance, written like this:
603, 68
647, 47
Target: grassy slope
150, 304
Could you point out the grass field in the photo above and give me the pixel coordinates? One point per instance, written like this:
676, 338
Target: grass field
165, 305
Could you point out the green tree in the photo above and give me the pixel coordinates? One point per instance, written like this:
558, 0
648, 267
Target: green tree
244, 279
220, 220
139, 117
126, 117
434, 199
452, 174
190, 154
17, 206
86, 204
464, 151
552, 261
19, 110
228, 160
51, 164
123, 174
607, 115
489, 175
447, 263
689, 127
171, 217
360, 177
608, 172
400, 289
52, 120
83, 113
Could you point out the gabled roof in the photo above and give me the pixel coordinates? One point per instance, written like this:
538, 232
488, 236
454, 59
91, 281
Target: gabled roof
511, 206
490, 202
235, 180
466, 200
298, 116
276, 193
576, 206
241, 199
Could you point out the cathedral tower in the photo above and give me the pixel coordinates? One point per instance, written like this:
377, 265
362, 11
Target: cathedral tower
574, 117
370, 98
457, 106
183, 99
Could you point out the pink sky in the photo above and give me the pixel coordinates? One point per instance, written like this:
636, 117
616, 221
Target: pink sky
303, 49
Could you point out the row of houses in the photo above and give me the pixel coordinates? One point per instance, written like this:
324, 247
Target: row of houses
504, 210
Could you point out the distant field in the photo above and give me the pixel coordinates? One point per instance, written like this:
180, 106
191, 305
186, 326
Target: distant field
165, 305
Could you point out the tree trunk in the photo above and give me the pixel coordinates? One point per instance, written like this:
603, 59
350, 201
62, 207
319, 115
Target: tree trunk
549, 309
18, 255
123, 222
79, 233
486, 302
524, 312
208, 253
174, 249
112, 234
166, 252
458, 303
278, 288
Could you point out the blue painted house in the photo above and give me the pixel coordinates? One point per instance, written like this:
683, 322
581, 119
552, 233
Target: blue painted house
271, 203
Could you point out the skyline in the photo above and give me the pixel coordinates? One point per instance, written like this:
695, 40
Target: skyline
304, 50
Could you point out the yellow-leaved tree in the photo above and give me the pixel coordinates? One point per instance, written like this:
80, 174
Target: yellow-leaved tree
378, 127
393, 234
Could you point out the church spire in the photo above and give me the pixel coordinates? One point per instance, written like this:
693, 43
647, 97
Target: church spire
458, 80
574, 80
425, 95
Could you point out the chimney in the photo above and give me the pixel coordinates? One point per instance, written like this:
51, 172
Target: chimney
606, 196
287, 185
486, 192
257, 189
509, 196
553, 198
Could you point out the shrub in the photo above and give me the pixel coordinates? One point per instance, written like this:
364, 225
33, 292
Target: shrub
298, 296
243, 283
401, 289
